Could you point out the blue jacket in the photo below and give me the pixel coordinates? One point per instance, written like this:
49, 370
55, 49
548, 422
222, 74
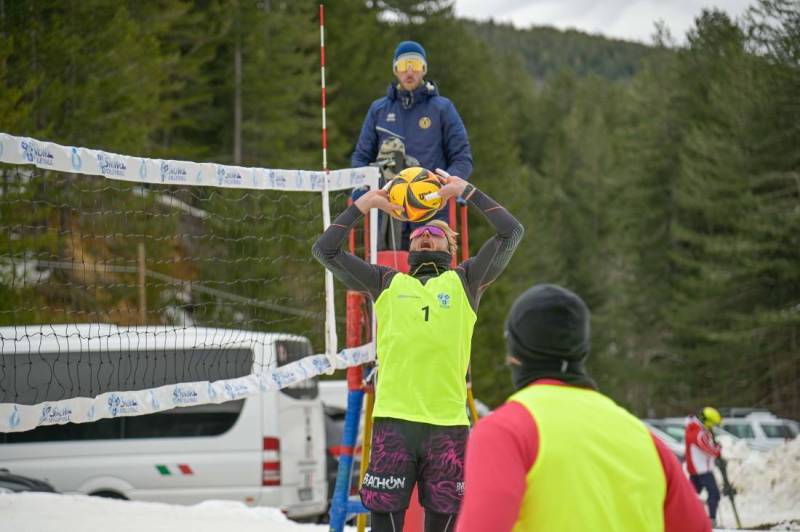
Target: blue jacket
428, 125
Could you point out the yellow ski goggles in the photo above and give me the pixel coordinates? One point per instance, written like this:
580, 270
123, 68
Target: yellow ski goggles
417, 64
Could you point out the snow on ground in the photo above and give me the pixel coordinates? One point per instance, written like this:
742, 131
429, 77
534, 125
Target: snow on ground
768, 485
49, 512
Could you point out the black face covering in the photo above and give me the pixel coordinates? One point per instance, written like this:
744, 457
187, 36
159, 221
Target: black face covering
570, 372
428, 263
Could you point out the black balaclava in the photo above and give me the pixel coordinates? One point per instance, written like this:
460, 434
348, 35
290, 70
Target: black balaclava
428, 263
547, 330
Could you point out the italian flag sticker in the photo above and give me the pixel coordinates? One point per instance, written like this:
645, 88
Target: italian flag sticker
180, 469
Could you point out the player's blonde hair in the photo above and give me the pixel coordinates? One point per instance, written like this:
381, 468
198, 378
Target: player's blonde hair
452, 241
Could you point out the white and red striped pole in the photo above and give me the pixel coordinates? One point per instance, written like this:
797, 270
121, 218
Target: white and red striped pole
330, 309
322, 78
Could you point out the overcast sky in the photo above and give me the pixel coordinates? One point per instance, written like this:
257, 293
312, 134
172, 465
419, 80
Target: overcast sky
623, 19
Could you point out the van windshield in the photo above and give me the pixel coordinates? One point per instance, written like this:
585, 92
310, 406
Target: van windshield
288, 351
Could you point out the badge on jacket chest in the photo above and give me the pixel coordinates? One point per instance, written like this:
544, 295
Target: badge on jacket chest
424, 122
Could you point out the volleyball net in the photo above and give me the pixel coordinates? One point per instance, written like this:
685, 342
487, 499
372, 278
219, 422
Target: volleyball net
145, 282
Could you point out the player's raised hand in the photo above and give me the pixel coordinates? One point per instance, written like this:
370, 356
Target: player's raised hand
379, 199
453, 186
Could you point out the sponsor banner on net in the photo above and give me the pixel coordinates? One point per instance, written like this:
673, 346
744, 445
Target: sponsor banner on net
51, 156
19, 417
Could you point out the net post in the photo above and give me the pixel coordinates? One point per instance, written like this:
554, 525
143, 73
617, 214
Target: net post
373, 259
464, 232
452, 222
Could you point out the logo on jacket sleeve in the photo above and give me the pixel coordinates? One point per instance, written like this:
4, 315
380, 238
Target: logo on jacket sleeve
444, 300
425, 122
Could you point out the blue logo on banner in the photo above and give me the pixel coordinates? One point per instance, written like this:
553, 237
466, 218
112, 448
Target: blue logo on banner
317, 180
76, 160
36, 154
143, 169
356, 178
199, 176
52, 414
13, 420
184, 396
298, 180
321, 364
255, 178
234, 391
119, 405
173, 172
228, 176
90, 413
212, 394
283, 378
276, 180
110, 166
153, 400
2, 148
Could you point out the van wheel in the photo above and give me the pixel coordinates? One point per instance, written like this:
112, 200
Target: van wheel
109, 495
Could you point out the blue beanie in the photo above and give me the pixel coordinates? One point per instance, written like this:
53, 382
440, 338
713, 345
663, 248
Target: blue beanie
410, 47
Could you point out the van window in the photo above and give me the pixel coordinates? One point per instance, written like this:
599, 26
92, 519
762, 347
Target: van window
38, 377
740, 430
777, 430
289, 351
183, 422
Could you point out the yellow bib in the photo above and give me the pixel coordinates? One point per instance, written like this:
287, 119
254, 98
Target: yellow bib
597, 466
424, 339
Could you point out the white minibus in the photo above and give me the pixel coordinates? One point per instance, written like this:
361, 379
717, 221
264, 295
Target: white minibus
264, 450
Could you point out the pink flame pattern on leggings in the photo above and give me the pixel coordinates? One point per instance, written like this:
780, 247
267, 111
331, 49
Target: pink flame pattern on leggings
442, 484
390, 456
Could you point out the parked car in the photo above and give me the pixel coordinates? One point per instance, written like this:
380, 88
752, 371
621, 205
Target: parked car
11, 483
761, 429
674, 427
672, 442
263, 450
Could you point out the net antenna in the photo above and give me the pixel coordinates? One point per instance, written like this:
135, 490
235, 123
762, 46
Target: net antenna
131, 285
330, 310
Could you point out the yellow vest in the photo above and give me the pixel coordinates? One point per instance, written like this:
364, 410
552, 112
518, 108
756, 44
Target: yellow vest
424, 339
597, 466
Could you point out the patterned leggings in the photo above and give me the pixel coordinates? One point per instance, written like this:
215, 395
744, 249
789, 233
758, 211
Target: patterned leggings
405, 453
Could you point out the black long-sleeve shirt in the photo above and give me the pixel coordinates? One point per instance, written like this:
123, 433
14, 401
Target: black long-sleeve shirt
476, 272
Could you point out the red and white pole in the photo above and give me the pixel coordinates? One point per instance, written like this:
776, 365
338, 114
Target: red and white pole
324, 102
330, 309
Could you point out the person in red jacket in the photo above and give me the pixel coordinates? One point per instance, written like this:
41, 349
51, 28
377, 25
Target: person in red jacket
701, 451
559, 455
